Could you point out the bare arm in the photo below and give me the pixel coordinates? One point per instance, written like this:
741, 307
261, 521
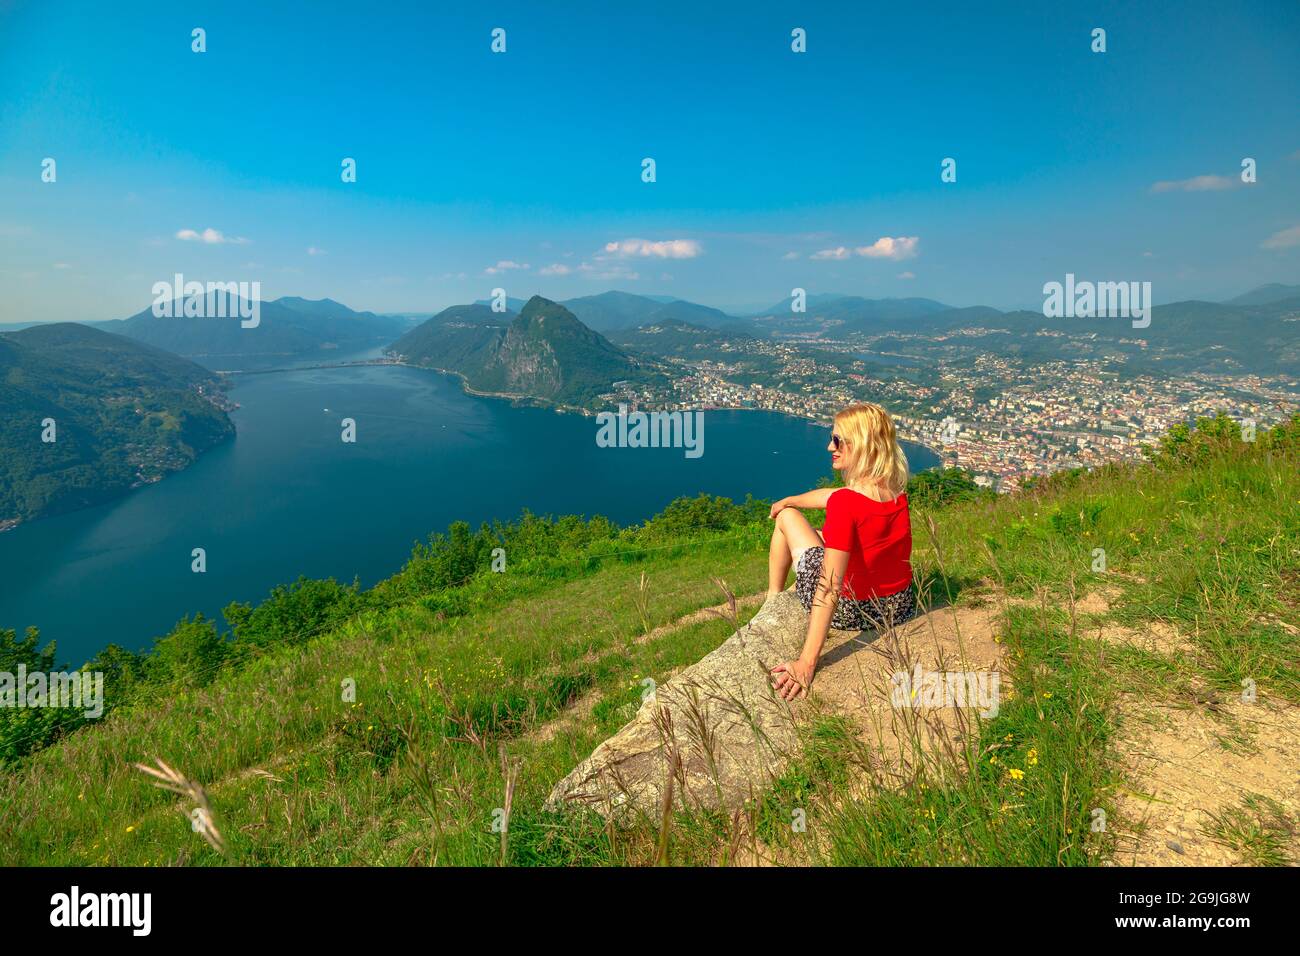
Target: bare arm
793, 677
816, 498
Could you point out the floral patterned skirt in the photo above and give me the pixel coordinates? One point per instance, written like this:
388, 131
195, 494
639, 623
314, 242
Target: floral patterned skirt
876, 614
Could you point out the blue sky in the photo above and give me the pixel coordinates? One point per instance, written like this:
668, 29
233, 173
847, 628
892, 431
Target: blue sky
523, 170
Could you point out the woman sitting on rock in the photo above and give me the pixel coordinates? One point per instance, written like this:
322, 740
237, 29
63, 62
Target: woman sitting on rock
856, 573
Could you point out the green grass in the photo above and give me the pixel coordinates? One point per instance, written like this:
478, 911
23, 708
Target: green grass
449, 709
442, 693
1259, 828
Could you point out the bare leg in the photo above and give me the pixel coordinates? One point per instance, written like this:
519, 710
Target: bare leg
778, 561
790, 532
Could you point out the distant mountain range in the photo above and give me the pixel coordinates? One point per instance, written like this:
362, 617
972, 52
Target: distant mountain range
123, 413
1258, 332
1254, 332
617, 311
296, 326
1267, 295
543, 353
288, 326
841, 315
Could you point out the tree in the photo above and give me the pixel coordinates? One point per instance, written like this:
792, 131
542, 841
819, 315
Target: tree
190, 655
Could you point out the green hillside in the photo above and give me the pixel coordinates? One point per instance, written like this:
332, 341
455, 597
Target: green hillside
463, 336
478, 690
1183, 337
674, 337
125, 414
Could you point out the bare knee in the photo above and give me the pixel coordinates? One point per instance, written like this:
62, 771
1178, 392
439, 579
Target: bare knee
796, 529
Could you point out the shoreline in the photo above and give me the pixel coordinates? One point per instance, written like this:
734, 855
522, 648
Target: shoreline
513, 398
10, 524
535, 402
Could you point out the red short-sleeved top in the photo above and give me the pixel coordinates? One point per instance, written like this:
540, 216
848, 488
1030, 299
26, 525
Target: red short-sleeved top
878, 537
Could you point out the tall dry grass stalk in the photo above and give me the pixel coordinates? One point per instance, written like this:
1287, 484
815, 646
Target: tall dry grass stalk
642, 601
672, 769
510, 772
169, 778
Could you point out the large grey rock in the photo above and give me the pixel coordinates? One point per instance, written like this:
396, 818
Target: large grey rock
730, 733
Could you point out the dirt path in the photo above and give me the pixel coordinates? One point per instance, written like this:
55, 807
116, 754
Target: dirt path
1208, 782
1205, 785
1192, 771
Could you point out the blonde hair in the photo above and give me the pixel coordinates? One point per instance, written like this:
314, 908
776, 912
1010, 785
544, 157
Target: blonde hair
875, 457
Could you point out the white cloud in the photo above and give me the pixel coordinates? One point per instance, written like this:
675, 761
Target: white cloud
62, 265
607, 264
886, 247
505, 265
902, 247
313, 251
1196, 184
837, 253
666, 249
212, 237
555, 269
907, 275
1284, 239
790, 255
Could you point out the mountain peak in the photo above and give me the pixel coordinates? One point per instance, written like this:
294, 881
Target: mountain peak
546, 353
537, 304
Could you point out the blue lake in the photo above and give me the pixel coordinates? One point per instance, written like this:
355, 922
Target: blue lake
286, 497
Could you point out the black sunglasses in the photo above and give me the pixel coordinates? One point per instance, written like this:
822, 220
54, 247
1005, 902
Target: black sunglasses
837, 441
